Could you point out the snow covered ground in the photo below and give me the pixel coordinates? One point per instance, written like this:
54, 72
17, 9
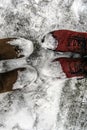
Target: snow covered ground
48, 103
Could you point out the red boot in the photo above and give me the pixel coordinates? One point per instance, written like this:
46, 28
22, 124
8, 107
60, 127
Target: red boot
68, 41
76, 67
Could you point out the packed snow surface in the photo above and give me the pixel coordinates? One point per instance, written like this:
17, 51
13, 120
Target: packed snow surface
47, 102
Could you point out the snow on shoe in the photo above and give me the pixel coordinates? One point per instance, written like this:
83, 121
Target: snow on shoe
49, 42
26, 46
11, 64
11, 48
17, 79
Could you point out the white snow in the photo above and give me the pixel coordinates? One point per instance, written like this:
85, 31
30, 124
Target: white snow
26, 77
46, 103
49, 42
7, 65
53, 69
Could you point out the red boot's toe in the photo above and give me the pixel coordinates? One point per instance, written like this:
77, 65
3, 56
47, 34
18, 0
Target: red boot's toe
76, 67
71, 41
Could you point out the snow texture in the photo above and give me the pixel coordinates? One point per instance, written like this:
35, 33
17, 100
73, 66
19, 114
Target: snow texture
48, 103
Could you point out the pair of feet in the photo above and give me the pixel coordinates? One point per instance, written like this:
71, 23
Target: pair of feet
14, 51
69, 41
